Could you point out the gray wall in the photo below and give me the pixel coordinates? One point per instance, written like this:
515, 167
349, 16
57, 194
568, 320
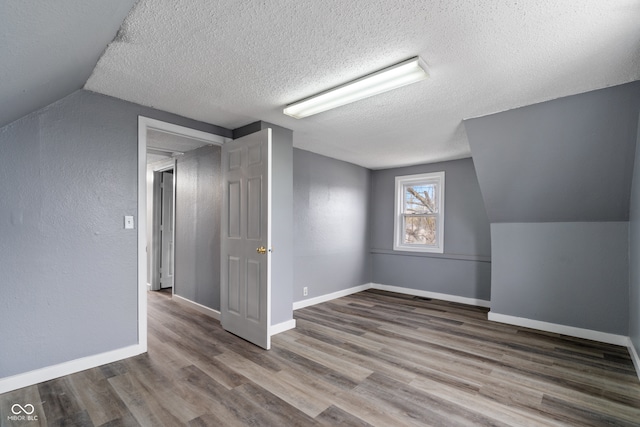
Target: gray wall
564, 166
464, 269
69, 269
634, 252
197, 244
331, 225
569, 159
572, 273
281, 218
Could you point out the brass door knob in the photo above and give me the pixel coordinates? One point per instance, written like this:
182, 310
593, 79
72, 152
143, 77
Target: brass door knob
261, 250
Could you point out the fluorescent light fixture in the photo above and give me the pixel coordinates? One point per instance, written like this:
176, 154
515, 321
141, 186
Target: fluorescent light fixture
406, 72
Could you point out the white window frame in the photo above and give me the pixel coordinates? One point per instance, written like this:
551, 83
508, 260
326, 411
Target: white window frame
398, 235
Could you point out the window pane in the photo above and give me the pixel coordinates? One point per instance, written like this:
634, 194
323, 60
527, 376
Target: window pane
420, 199
420, 230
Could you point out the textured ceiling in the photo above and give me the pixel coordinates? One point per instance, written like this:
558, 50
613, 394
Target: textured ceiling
234, 62
49, 48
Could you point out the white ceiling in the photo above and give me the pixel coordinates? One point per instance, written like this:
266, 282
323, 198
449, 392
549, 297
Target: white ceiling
234, 62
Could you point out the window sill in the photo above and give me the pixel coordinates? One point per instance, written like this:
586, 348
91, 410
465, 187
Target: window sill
423, 249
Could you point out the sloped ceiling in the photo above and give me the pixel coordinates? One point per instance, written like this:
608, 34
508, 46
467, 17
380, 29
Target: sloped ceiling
49, 48
568, 159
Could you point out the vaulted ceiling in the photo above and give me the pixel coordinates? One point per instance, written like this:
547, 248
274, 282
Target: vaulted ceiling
48, 49
232, 62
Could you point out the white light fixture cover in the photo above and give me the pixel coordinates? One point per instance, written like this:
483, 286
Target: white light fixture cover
406, 72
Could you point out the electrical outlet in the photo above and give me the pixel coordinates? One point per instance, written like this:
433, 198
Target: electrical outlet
305, 291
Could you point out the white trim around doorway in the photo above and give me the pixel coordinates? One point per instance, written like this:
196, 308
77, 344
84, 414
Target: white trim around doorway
145, 124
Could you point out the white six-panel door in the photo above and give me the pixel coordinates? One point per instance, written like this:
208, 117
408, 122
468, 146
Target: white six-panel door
245, 288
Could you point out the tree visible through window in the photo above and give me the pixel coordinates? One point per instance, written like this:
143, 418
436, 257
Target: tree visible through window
419, 219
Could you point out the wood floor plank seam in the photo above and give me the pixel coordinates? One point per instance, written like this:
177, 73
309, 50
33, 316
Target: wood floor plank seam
374, 358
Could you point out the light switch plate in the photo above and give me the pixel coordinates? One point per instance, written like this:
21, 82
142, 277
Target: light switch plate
128, 222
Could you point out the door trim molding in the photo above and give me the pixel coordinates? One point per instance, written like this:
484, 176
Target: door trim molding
145, 124
173, 129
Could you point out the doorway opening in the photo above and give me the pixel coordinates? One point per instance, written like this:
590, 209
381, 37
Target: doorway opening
161, 211
159, 140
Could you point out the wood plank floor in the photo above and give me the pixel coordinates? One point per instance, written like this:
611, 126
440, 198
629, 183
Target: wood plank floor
373, 358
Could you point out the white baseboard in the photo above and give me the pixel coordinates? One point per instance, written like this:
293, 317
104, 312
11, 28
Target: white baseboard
148, 286
407, 291
67, 368
281, 327
634, 356
572, 331
434, 295
328, 297
199, 307
275, 329
496, 317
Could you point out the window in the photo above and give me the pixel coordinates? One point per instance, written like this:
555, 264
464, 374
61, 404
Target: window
419, 219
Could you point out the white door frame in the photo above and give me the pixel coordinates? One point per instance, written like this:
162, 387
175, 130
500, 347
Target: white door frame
145, 124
